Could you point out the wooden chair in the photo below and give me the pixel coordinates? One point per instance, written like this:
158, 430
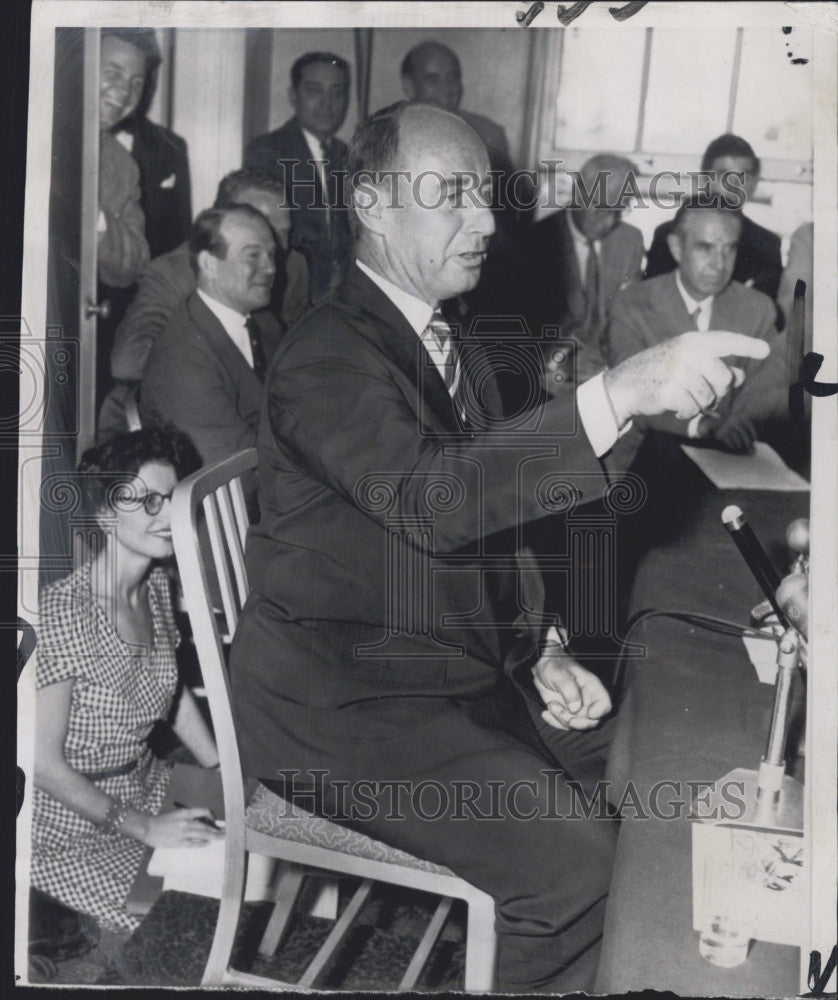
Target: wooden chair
267, 824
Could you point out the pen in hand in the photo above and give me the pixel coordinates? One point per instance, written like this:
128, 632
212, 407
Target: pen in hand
201, 819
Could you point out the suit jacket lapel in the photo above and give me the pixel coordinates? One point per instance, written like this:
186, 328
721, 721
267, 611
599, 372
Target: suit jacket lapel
230, 357
385, 326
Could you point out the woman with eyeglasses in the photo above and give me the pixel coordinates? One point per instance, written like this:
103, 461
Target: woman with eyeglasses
106, 672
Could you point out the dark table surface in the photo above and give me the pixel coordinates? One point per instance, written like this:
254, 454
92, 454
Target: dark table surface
694, 710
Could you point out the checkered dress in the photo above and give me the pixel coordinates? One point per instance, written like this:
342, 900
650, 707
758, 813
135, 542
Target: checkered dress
117, 696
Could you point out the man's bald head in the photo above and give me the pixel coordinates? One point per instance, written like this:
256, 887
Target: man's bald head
431, 73
427, 228
597, 194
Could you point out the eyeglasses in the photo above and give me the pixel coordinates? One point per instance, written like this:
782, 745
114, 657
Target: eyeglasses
153, 502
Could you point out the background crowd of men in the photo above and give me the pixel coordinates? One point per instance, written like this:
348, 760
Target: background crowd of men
190, 327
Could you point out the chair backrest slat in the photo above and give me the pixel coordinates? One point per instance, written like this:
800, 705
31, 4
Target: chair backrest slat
239, 509
226, 545
219, 548
235, 551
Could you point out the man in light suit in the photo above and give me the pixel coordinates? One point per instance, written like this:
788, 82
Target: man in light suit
160, 154
702, 295
307, 157
376, 450
204, 371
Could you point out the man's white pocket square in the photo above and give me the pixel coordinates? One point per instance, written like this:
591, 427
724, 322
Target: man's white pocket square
169, 182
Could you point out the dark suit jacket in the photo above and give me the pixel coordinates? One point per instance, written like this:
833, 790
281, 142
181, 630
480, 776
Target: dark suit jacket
323, 242
361, 455
757, 259
555, 287
165, 187
196, 378
167, 281
653, 311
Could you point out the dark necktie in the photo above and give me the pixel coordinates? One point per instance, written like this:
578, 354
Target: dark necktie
594, 333
695, 314
260, 362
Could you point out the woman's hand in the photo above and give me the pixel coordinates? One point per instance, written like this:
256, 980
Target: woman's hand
178, 828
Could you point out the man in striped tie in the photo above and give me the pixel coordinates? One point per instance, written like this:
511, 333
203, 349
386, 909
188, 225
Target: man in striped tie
395, 632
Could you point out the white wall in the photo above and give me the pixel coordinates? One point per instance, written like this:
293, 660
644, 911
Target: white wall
494, 64
208, 105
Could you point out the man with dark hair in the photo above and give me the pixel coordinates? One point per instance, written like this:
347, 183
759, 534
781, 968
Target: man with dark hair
205, 370
305, 155
381, 445
735, 170
701, 295
165, 188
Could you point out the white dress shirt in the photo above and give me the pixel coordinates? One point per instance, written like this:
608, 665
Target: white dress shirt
702, 323
233, 322
705, 306
315, 147
595, 410
582, 247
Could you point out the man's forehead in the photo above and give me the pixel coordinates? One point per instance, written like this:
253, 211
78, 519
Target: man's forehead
245, 229
440, 141
438, 61
322, 72
115, 48
707, 224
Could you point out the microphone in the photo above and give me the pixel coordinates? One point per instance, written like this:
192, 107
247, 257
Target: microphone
793, 599
754, 555
797, 536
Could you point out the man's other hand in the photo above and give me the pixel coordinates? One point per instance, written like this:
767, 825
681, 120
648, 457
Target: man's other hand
575, 698
685, 376
737, 436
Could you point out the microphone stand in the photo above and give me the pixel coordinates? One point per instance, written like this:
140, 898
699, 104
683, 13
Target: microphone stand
767, 823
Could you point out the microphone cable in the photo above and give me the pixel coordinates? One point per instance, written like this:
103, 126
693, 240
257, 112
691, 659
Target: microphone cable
709, 622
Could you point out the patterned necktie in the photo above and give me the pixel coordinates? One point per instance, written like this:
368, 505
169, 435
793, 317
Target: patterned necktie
260, 363
443, 349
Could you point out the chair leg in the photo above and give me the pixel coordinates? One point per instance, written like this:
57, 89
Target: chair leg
481, 946
232, 894
326, 902
287, 892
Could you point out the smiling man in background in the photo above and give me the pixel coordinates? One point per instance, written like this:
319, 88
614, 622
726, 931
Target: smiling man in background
205, 370
307, 158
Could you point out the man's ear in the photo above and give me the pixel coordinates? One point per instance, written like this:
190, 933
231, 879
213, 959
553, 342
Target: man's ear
673, 241
292, 97
369, 202
207, 263
409, 88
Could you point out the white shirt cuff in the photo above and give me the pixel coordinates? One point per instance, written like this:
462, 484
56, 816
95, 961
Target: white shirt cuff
597, 415
692, 426
101, 222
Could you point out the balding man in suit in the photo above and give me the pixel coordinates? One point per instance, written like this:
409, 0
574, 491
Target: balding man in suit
431, 73
381, 444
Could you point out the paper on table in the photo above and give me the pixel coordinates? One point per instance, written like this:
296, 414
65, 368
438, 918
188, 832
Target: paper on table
764, 470
763, 656
200, 871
